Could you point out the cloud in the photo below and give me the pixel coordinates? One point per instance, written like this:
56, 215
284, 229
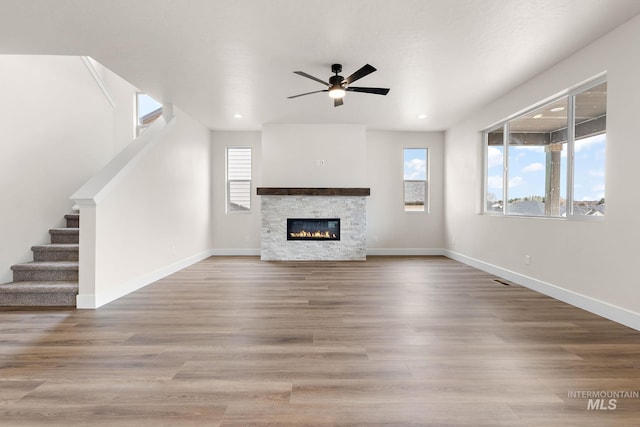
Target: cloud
415, 169
495, 182
596, 173
598, 188
494, 157
587, 143
516, 181
534, 148
533, 167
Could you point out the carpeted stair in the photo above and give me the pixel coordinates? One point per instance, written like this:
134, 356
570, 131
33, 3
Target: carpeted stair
52, 278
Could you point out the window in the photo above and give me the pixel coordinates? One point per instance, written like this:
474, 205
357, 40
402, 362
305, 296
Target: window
415, 179
238, 179
550, 160
147, 111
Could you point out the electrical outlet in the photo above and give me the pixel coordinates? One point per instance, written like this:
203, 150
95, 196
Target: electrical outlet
527, 260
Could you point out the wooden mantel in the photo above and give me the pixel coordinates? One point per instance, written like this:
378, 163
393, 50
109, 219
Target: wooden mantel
299, 191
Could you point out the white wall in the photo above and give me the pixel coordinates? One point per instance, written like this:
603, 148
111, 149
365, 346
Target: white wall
124, 113
286, 156
154, 219
57, 129
590, 264
391, 230
313, 156
235, 233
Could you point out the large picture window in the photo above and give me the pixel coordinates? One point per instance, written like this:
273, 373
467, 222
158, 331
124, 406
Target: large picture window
238, 179
550, 160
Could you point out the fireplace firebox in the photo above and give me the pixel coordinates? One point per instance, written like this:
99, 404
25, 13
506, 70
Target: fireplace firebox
313, 228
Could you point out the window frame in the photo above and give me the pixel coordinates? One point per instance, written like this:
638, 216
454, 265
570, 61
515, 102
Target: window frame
570, 95
139, 125
427, 183
228, 181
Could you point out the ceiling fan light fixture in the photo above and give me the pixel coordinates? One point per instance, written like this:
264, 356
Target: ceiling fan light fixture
338, 86
337, 92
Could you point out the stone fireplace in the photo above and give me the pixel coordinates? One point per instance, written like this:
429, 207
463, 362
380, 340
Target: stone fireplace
313, 223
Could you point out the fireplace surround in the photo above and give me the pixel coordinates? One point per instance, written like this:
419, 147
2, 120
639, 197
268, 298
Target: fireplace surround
346, 205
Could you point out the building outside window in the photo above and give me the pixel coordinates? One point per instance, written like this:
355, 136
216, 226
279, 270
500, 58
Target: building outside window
550, 160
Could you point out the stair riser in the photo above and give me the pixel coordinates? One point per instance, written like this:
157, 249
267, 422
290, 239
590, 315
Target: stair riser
65, 238
45, 275
43, 256
73, 220
44, 300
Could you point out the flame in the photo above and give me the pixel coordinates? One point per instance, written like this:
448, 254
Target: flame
313, 234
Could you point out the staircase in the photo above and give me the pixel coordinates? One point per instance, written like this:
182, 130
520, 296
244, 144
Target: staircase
52, 278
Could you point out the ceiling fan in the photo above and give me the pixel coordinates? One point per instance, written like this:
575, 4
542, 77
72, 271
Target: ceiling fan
338, 86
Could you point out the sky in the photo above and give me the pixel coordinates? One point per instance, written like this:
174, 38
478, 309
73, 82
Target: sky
146, 104
527, 170
415, 163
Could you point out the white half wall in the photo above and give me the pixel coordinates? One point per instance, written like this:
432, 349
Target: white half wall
155, 219
57, 130
593, 262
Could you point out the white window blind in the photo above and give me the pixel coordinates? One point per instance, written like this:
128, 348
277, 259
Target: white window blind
238, 179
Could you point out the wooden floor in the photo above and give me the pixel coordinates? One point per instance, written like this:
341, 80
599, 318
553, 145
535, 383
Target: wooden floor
415, 341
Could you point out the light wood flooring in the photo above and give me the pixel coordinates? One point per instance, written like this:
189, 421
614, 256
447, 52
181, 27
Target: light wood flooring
415, 341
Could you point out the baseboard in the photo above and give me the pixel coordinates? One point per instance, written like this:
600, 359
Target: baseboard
102, 298
370, 251
592, 305
405, 251
235, 252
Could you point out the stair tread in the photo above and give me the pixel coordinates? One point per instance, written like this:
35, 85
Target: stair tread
46, 265
74, 247
64, 230
48, 287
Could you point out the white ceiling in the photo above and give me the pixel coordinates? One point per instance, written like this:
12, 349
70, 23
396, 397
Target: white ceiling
215, 58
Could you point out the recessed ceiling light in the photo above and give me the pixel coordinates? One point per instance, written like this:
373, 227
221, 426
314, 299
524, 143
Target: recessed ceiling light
555, 110
237, 116
537, 116
422, 116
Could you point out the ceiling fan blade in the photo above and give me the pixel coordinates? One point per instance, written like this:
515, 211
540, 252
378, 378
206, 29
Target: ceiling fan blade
374, 90
364, 71
309, 76
308, 93
337, 102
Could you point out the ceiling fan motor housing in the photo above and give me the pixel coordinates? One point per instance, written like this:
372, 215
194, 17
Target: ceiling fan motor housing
336, 80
